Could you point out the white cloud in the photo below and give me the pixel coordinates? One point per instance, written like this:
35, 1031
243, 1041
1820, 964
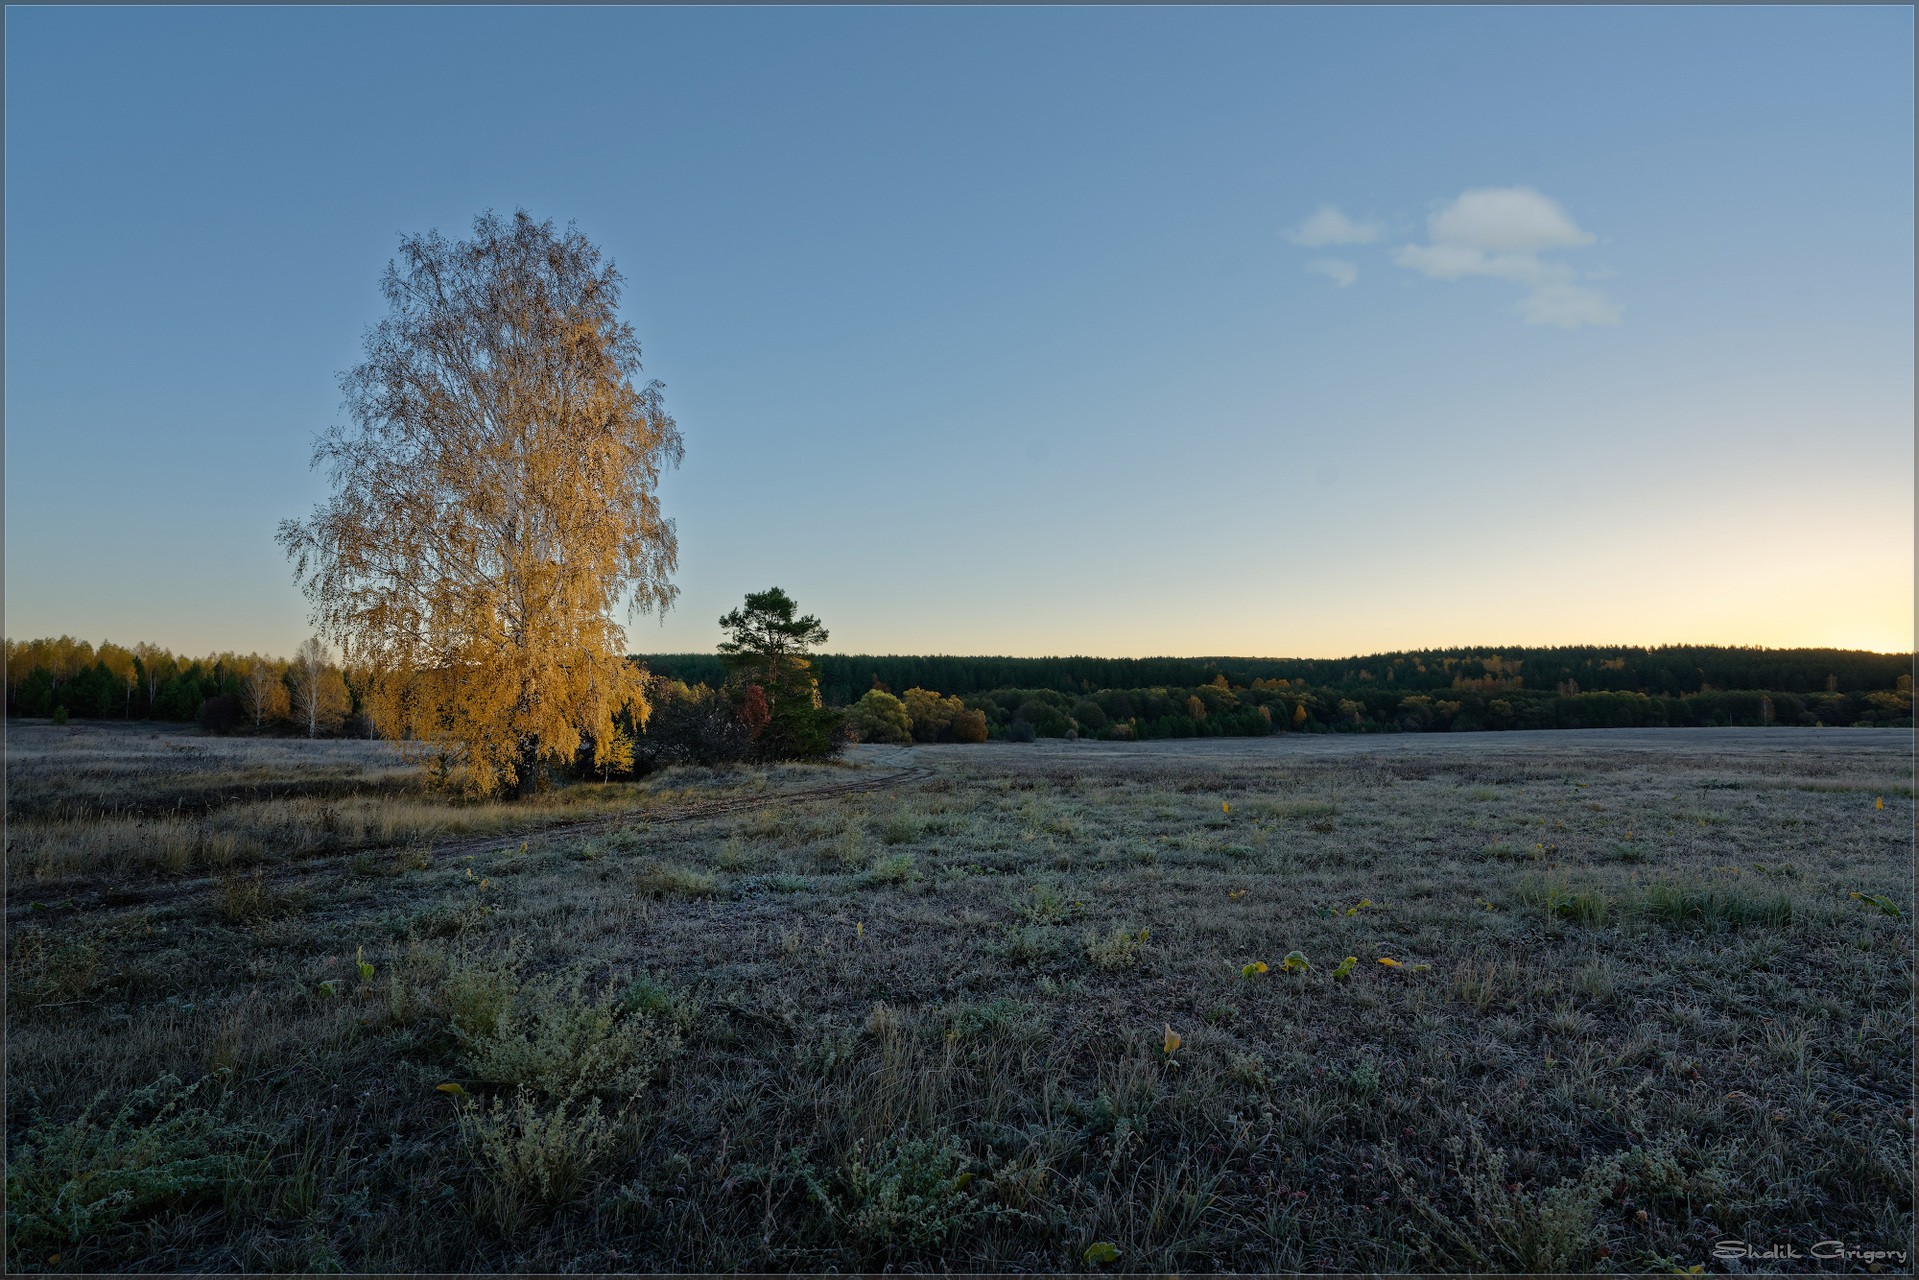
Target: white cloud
1327, 225
1499, 232
1452, 262
1338, 270
1506, 220
1568, 306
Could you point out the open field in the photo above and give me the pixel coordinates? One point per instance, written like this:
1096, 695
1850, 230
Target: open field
1636, 1008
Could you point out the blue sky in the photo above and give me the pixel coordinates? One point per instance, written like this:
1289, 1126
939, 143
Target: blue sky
1020, 330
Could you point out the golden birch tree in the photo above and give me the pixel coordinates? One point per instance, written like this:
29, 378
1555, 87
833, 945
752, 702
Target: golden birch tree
263, 690
494, 502
319, 693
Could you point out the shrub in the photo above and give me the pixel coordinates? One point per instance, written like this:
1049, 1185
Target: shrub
478, 988
668, 880
1510, 1229
1028, 945
880, 717
897, 869
248, 899
931, 714
554, 1036
43, 969
159, 1150
221, 714
1090, 717
902, 1199
969, 726
1045, 903
692, 725
997, 1019
734, 855
1116, 949
1048, 721
34, 697
1021, 731
848, 853
533, 1156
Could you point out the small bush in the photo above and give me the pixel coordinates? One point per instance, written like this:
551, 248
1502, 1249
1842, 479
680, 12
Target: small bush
736, 855
1021, 731
534, 1157
901, 828
248, 899
999, 1019
1116, 949
1028, 945
446, 921
220, 714
161, 1149
478, 988
555, 1036
43, 969
1363, 1081
901, 1200
897, 869
848, 852
1045, 903
649, 997
1508, 1228
880, 717
667, 880
1248, 1069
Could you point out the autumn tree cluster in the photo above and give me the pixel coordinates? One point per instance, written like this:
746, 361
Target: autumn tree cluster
918, 715
225, 692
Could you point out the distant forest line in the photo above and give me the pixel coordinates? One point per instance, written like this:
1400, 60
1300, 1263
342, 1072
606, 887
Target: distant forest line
1423, 690
1667, 672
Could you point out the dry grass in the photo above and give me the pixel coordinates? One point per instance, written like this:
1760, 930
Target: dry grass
108, 801
1636, 1011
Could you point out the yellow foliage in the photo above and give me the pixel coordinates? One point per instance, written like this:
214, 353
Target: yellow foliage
494, 504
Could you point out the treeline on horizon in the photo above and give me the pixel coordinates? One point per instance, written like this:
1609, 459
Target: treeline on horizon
64, 677
1666, 671
1425, 690
1585, 686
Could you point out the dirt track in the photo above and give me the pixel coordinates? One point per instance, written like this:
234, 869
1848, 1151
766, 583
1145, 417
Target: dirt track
20, 903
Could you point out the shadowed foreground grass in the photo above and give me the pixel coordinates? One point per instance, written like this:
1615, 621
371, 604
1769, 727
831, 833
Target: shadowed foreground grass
1635, 1009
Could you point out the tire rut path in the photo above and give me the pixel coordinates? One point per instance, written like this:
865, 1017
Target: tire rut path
19, 903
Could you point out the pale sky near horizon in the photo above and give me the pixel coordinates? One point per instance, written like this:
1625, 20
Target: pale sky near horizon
1123, 331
